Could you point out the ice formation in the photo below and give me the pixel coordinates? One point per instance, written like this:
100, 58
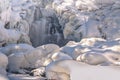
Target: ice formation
54, 21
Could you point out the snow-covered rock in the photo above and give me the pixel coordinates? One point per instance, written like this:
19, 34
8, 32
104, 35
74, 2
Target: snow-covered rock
3, 66
3, 77
13, 36
95, 42
69, 69
98, 51
92, 58
60, 56
17, 61
3, 61
3, 72
16, 48
57, 57
94, 51
34, 58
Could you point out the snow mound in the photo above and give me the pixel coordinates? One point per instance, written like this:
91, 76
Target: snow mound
34, 58
76, 70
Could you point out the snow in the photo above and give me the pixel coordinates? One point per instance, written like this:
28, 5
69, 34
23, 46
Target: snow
14, 48
60, 39
78, 70
95, 59
3, 66
25, 57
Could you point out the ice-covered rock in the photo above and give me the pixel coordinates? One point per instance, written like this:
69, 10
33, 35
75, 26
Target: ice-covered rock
83, 17
54, 21
34, 58
46, 30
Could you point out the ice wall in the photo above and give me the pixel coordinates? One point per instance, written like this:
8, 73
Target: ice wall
59, 21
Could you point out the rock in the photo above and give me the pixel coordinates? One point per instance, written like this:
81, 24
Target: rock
57, 57
3, 61
3, 77
65, 20
112, 57
17, 62
3, 72
38, 72
67, 70
92, 42
73, 49
94, 51
51, 59
51, 72
31, 59
23, 77
92, 58
16, 48
68, 50
3, 66
13, 36
99, 52
60, 56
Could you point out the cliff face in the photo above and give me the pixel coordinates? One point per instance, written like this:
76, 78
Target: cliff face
58, 21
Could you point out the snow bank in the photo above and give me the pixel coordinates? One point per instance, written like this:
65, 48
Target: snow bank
76, 70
